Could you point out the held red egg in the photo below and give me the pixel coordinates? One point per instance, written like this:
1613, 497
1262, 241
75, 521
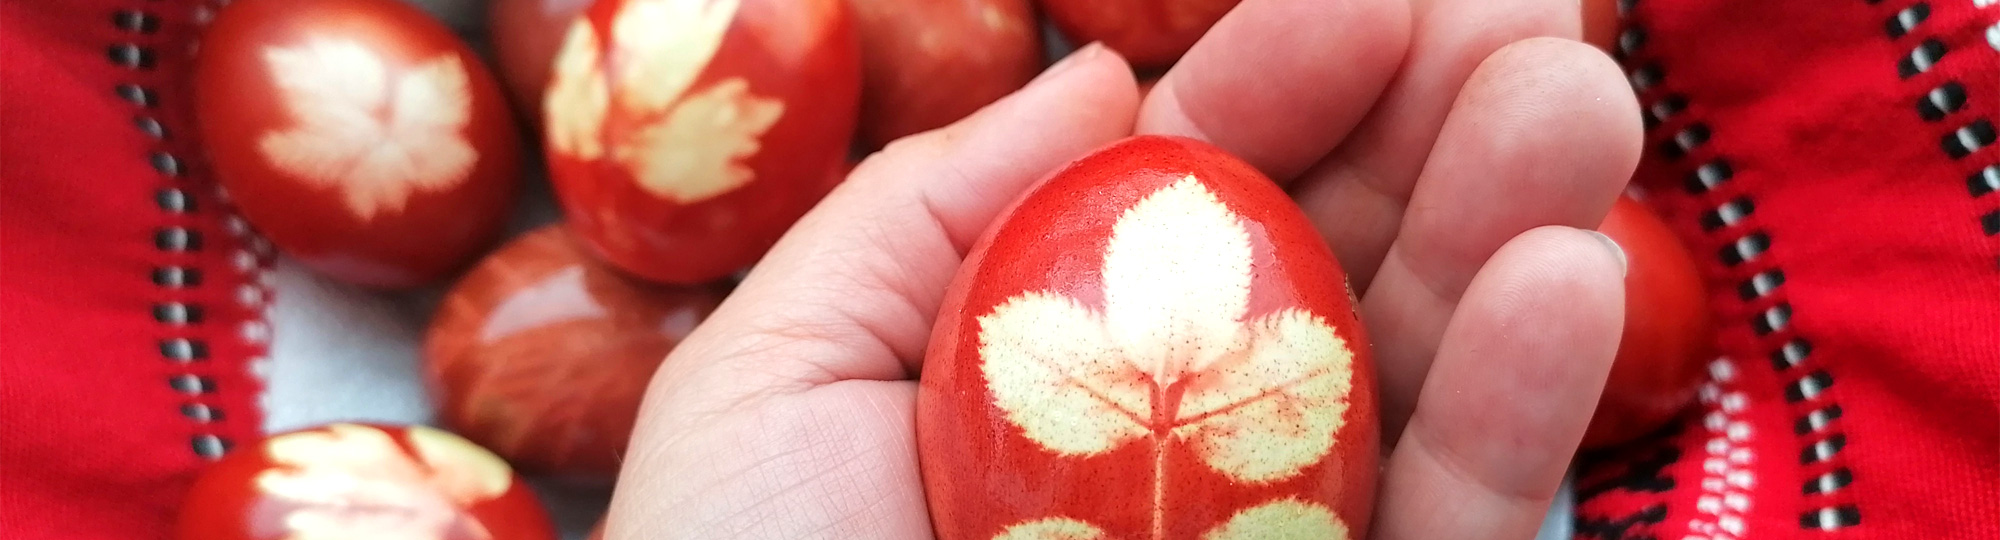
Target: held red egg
1153, 344
928, 63
543, 354
362, 481
1152, 34
361, 136
525, 35
685, 136
1669, 330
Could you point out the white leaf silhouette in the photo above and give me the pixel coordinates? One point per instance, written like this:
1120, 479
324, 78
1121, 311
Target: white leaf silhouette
1283, 519
353, 481
1171, 357
690, 145
695, 154
376, 135
1052, 529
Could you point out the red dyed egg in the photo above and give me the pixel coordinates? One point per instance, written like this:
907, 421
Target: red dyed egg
685, 136
1669, 331
1153, 344
928, 63
525, 35
361, 136
543, 354
362, 481
1600, 23
1152, 34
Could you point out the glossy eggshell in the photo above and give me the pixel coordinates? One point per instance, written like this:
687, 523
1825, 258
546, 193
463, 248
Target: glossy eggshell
1033, 413
928, 63
1600, 23
361, 136
1151, 34
525, 36
362, 481
1669, 331
542, 354
682, 147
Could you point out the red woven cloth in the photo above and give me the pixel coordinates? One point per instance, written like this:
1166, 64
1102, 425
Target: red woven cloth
1833, 162
122, 289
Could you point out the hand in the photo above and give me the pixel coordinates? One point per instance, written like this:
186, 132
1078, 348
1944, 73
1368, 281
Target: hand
1451, 181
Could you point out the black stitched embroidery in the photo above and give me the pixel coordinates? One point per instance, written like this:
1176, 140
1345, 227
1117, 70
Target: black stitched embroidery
1940, 102
191, 384
175, 277
1831, 518
1663, 110
130, 55
1709, 176
200, 413
1985, 181
166, 164
1761, 284
1966, 140
1808, 387
1685, 141
176, 239
176, 313
1728, 214
150, 127
137, 95
174, 200
1829, 482
1630, 40
1902, 22
1746, 249
135, 21
1791, 354
210, 446
1772, 320
1921, 58
1822, 450
1644, 78
1817, 420
183, 349
1991, 222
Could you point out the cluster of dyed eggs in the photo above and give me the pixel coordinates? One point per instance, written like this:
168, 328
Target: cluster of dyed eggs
682, 138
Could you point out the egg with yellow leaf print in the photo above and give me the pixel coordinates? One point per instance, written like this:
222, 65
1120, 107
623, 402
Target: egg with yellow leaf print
361, 136
684, 136
353, 481
1153, 344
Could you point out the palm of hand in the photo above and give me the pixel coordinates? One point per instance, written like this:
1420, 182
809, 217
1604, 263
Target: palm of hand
1447, 161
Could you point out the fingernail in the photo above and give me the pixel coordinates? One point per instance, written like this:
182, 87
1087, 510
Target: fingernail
1624, 266
1078, 57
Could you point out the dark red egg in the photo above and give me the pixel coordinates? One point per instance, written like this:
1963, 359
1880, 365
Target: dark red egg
1153, 344
928, 63
1669, 331
542, 354
1151, 34
684, 137
362, 481
525, 35
362, 136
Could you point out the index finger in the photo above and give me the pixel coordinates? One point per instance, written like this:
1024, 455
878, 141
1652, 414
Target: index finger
1281, 82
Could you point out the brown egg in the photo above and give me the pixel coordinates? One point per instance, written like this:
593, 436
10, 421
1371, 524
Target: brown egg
542, 354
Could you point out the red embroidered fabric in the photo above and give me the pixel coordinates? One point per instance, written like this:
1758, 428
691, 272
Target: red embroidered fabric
1835, 163
122, 286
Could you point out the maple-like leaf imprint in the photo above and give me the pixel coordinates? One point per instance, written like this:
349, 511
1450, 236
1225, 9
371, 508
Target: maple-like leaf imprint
1282, 519
1171, 356
350, 481
377, 136
691, 144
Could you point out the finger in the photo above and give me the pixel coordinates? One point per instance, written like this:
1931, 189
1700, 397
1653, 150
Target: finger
1280, 82
1356, 196
1546, 133
789, 413
1519, 373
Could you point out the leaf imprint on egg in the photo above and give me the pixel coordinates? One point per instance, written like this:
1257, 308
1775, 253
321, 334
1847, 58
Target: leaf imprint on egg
377, 135
688, 144
1173, 357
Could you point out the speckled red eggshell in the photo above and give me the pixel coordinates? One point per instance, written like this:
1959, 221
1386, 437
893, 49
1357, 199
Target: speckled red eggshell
411, 233
542, 354
802, 54
984, 474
